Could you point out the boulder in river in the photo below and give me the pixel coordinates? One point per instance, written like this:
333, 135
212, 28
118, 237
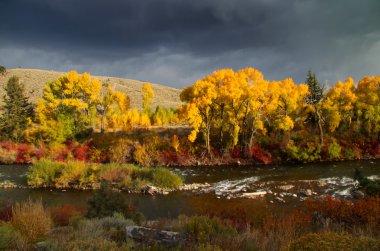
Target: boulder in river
305, 193
253, 195
153, 236
357, 194
286, 187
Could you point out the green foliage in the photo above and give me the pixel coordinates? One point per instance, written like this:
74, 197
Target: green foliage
44, 173
16, 112
334, 150
371, 187
3, 70
7, 236
308, 152
205, 230
331, 241
67, 108
76, 174
164, 178
106, 202
91, 245
315, 89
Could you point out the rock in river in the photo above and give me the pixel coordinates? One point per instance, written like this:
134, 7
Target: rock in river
153, 236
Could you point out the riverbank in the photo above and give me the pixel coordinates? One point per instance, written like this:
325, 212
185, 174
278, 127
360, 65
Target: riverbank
80, 175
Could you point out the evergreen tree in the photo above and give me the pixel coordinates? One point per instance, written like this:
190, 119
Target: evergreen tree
16, 110
314, 99
3, 70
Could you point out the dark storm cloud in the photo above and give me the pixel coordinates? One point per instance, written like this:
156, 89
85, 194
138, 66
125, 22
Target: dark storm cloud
178, 41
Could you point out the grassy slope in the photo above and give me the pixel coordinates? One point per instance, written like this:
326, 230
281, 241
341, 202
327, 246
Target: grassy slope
34, 81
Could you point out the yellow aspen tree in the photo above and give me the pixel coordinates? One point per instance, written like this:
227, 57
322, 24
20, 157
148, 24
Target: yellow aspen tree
368, 105
339, 105
147, 97
68, 106
199, 109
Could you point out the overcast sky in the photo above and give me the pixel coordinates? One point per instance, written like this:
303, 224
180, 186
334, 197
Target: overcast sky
176, 42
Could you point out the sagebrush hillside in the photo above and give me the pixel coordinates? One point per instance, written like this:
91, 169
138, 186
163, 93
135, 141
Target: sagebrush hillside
34, 81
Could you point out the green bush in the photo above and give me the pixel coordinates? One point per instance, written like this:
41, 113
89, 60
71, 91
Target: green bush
332, 242
106, 202
303, 152
7, 236
164, 178
334, 150
205, 230
44, 172
371, 187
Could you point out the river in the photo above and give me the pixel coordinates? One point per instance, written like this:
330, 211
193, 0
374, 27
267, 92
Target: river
282, 187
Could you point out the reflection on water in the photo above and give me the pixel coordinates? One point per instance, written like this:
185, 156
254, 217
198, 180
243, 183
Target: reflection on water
227, 184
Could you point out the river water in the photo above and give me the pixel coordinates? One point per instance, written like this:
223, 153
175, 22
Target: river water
282, 187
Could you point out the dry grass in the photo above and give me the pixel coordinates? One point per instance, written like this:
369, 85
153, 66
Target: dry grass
31, 220
34, 81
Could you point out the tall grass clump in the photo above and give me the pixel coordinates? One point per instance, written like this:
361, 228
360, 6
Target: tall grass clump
31, 220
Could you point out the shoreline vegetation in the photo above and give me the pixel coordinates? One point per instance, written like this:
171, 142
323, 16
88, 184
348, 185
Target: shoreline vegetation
109, 223
227, 117
79, 175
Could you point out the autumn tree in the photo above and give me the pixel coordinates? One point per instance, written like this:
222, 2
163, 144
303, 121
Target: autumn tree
68, 107
16, 111
255, 105
112, 106
368, 105
199, 109
147, 97
339, 105
287, 99
314, 101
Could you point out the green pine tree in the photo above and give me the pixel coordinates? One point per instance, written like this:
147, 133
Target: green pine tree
314, 99
16, 110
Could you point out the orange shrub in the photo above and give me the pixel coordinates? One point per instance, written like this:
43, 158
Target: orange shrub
362, 211
62, 215
31, 220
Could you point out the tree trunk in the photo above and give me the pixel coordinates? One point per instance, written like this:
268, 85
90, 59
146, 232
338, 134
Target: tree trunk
252, 135
221, 127
102, 123
319, 125
208, 139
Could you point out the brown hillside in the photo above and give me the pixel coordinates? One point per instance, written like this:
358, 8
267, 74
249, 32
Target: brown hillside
34, 81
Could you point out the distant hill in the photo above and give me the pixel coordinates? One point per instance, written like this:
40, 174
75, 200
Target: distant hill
35, 80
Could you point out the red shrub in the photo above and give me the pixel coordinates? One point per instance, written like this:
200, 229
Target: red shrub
236, 153
362, 211
24, 154
39, 152
259, 154
80, 152
169, 158
8, 145
62, 215
62, 154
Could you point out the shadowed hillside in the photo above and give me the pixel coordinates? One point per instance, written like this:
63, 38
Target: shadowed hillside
34, 81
